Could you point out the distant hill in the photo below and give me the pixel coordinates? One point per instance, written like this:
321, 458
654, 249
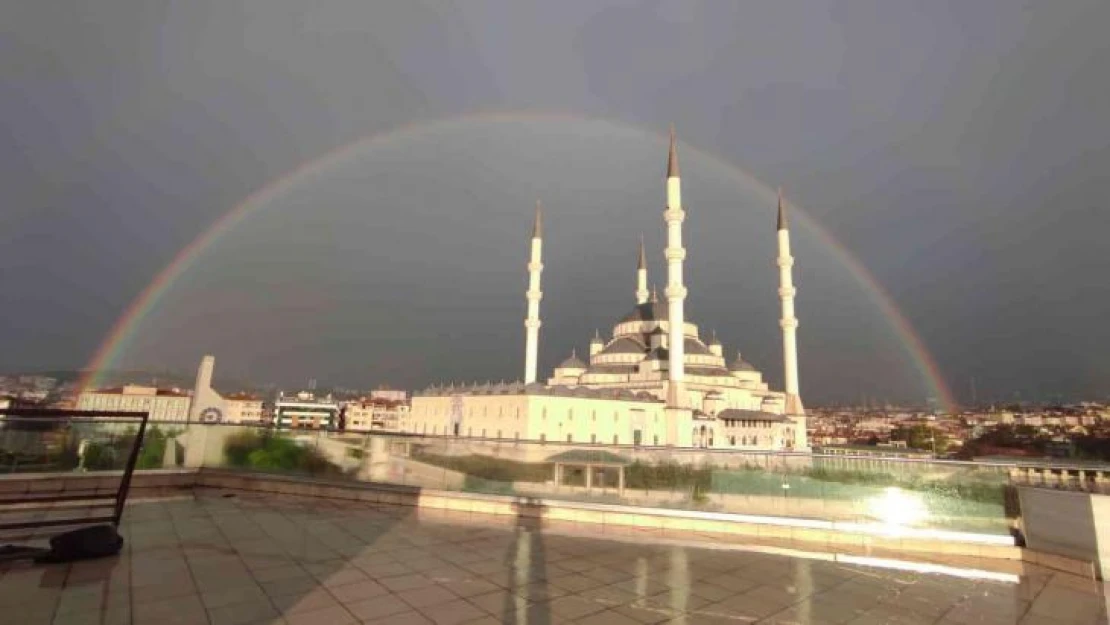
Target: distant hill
150, 378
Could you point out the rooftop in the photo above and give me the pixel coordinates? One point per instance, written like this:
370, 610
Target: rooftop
223, 558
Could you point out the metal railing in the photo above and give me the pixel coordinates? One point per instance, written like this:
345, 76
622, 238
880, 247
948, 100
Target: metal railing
49, 441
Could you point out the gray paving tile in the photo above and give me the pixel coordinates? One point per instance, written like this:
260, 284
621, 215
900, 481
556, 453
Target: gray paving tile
452, 613
279, 560
378, 607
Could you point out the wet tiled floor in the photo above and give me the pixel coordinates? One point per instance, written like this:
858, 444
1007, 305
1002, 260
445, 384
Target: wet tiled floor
218, 560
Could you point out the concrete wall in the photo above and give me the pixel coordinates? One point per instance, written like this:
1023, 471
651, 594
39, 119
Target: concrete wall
1068, 523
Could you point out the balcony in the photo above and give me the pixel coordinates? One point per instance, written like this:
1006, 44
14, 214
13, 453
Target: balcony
236, 525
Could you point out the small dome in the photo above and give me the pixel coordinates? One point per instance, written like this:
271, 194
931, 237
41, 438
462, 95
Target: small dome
573, 362
740, 364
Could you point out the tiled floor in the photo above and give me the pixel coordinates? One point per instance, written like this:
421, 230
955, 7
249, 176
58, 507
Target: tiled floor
243, 559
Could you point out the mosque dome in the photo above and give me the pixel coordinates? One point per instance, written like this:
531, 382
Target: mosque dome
648, 311
624, 345
741, 365
573, 362
694, 346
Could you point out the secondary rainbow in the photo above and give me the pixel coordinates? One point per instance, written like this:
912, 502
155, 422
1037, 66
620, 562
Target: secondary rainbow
124, 328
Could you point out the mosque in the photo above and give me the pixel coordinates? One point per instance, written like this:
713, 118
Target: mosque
653, 382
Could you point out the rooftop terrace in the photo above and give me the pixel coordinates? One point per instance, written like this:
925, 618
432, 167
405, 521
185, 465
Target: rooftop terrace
214, 557
243, 525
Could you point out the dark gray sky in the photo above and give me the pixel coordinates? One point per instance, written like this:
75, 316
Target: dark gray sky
960, 150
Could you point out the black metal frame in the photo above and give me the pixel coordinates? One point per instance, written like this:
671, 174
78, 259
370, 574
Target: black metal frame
116, 502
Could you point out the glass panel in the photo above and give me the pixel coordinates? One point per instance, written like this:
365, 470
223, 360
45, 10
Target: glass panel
885, 491
53, 445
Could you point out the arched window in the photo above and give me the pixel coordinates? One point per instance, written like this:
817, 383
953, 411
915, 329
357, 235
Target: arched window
570, 414
544, 414
593, 438
483, 432
593, 415
732, 441
498, 433
570, 438
616, 439
543, 438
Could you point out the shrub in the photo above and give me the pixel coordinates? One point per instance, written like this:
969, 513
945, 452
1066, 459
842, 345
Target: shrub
487, 468
266, 452
668, 476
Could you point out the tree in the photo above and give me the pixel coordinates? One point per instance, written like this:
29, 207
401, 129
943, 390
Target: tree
921, 436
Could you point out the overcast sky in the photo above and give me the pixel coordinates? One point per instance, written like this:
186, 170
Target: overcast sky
960, 150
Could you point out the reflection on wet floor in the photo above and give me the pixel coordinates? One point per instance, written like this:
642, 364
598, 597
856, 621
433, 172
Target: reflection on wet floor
251, 559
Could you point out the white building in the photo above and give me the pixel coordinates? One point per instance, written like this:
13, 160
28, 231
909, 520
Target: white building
305, 410
377, 413
652, 381
389, 394
170, 405
244, 408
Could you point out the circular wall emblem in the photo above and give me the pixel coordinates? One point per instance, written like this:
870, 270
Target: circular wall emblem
211, 415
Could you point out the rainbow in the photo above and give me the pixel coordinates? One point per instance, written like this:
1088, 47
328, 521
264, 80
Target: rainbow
125, 326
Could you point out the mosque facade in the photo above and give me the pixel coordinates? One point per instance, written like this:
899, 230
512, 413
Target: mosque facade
653, 381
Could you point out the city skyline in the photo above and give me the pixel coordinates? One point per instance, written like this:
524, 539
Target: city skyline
968, 186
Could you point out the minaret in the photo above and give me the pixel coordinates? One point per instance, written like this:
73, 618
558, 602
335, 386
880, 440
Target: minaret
596, 345
641, 276
532, 323
675, 292
788, 322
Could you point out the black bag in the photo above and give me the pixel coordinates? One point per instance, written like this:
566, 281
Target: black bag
96, 541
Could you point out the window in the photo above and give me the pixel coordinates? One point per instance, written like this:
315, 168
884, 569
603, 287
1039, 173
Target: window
732, 441
570, 414
516, 436
593, 438
593, 415
483, 432
470, 431
570, 438
637, 438
544, 414
498, 433
655, 440
616, 439
543, 438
